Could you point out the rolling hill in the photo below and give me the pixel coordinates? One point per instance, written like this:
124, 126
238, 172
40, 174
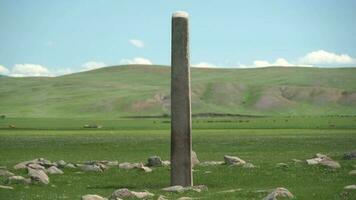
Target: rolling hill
142, 90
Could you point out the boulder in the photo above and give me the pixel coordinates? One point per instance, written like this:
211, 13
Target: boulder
36, 166
126, 193
176, 188
144, 168
324, 160
6, 173
353, 173
91, 168
6, 187
211, 163
154, 161
233, 160
70, 166
61, 163
195, 160
17, 180
330, 163
54, 170
127, 165
38, 176
93, 197
279, 192
350, 187
142, 195
166, 163
350, 155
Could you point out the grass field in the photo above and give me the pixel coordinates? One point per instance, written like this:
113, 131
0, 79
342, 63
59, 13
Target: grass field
133, 140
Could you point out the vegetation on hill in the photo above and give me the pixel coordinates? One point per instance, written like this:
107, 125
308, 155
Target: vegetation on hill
141, 90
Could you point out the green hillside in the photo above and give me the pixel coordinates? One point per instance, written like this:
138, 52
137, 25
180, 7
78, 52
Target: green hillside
139, 90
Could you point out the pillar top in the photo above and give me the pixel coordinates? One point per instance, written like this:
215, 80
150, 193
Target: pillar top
182, 14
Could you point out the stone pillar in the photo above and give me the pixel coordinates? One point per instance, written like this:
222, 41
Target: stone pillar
181, 142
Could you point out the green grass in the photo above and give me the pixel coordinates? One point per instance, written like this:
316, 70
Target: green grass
118, 91
262, 147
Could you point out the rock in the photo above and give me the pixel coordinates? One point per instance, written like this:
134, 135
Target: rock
54, 170
198, 188
176, 188
93, 197
353, 172
36, 166
61, 163
6, 173
6, 187
144, 168
154, 161
313, 161
330, 163
350, 187
127, 165
230, 191
91, 168
162, 197
39, 161
126, 193
195, 160
185, 198
38, 176
70, 165
248, 166
112, 163
350, 155
282, 165
166, 163
233, 160
319, 155
211, 163
17, 180
22, 165
279, 192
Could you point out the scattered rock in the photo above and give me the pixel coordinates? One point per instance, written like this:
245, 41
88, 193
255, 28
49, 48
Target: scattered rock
154, 161
40, 161
323, 160
54, 170
17, 180
6, 187
93, 197
144, 168
185, 198
195, 160
279, 192
198, 188
162, 197
350, 187
61, 163
35, 166
6, 173
126, 193
166, 163
248, 166
70, 165
350, 155
176, 188
211, 163
38, 176
127, 165
282, 165
91, 168
233, 160
353, 172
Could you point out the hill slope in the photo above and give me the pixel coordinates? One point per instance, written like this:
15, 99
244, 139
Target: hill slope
138, 90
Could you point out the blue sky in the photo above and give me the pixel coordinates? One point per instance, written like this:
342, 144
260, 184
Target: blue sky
47, 37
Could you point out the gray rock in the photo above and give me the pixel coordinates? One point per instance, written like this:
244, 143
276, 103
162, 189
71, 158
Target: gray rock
70, 166
350, 155
330, 163
61, 163
91, 168
127, 165
195, 160
126, 193
279, 192
142, 195
17, 180
353, 172
154, 161
54, 170
198, 188
321, 159
176, 188
233, 160
166, 163
211, 163
93, 197
6, 173
185, 198
36, 166
6, 187
350, 187
38, 176
144, 168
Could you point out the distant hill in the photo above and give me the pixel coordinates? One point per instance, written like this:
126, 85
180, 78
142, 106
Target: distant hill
140, 90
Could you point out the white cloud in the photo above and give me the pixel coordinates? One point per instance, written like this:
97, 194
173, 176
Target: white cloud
23, 70
328, 58
90, 65
3, 70
281, 62
206, 65
137, 43
138, 61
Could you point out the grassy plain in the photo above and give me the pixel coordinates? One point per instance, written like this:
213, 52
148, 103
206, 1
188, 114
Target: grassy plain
134, 140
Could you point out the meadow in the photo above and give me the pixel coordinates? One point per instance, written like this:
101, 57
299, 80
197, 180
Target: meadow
262, 141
